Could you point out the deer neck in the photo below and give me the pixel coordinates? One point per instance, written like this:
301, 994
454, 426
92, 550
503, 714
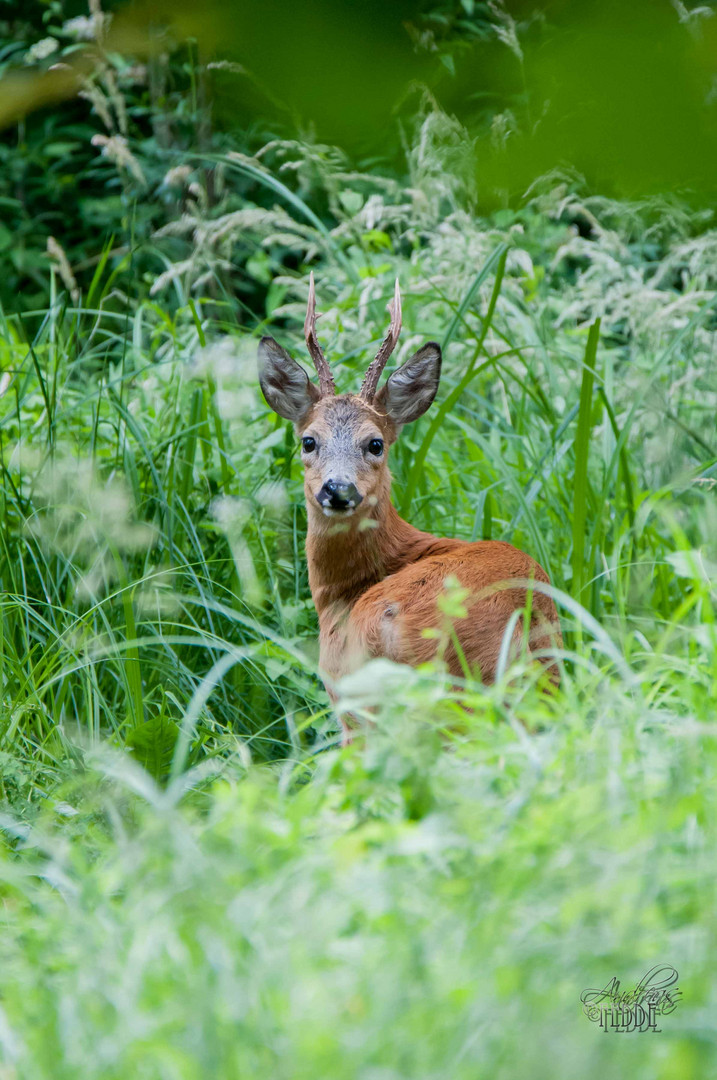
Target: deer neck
346, 558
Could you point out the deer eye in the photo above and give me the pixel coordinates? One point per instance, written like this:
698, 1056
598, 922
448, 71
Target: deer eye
375, 447
308, 444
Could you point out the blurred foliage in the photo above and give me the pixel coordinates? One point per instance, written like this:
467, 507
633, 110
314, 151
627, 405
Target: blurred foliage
408, 912
623, 94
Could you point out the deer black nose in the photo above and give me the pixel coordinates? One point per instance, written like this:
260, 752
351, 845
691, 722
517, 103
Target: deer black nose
339, 495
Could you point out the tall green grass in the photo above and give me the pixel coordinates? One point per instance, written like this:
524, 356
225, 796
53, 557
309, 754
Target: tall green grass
147, 532
195, 879
152, 508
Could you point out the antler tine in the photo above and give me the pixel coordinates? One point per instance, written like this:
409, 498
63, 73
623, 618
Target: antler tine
327, 386
368, 387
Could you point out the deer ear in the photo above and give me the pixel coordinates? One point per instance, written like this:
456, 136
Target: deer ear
286, 386
411, 389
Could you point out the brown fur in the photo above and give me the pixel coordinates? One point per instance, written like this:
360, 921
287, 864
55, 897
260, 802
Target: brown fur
376, 580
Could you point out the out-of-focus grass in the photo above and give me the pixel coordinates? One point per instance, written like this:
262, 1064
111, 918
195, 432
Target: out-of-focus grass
415, 908
621, 92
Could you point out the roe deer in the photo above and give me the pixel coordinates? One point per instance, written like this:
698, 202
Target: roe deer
375, 579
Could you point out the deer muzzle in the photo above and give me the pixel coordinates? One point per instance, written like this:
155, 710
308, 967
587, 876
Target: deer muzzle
339, 495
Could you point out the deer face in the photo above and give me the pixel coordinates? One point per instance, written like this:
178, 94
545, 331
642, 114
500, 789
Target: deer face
344, 448
344, 438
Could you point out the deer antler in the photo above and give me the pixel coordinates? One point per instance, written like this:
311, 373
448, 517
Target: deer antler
368, 387
327, 386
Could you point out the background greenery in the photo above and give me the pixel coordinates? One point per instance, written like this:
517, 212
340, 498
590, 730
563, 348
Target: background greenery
195, 880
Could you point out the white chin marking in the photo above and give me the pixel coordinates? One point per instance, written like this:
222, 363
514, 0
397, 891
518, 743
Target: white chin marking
329, 512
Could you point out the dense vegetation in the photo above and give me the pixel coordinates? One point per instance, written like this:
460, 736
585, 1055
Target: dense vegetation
195, 879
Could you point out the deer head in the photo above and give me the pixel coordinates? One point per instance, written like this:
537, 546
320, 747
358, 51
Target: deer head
345, 437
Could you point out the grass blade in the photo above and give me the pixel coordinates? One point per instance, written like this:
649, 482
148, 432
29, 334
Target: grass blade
582, 443
499, 255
